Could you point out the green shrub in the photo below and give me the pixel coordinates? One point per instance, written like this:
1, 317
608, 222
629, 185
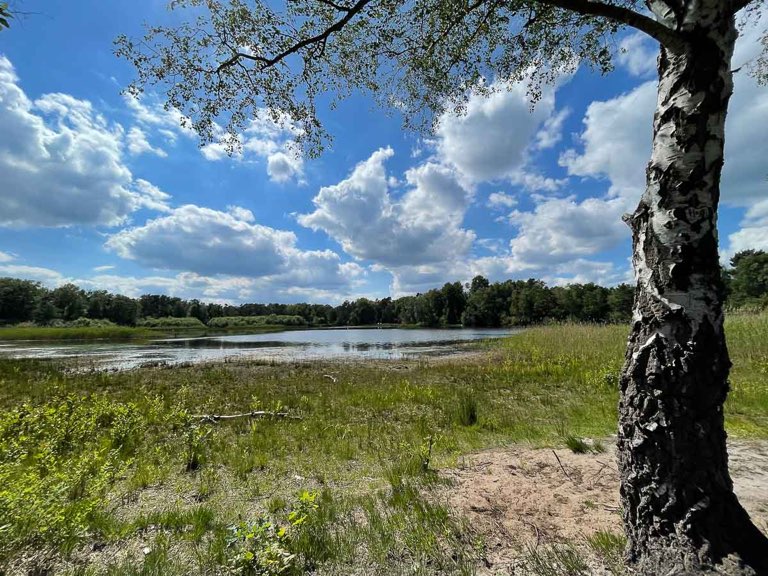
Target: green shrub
57, 461
196, 446
266, 548
246, 321
261, 548
170, 322
89, 323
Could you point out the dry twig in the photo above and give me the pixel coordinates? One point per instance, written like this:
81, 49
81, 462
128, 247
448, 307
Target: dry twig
562, 467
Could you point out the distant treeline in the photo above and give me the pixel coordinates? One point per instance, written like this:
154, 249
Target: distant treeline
479, 303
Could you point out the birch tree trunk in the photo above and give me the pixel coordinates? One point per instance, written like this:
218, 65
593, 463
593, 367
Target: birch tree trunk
680, 512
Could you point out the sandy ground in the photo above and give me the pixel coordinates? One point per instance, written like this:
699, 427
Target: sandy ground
520, 497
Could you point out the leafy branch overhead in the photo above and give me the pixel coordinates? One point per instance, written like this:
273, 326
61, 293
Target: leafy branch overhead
5, 15
233, 61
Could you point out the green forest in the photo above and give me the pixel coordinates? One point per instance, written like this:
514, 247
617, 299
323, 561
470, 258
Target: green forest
479, 303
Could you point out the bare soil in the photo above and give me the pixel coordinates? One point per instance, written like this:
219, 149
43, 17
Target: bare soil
520, 498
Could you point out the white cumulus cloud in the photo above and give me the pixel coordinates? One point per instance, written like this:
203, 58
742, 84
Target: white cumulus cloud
583, 271
617, 136
204, 241
62, 162
284, 166
501, 200
559, 230
137, 143
221, 289
421, 227
265, 138
150, 113
617, 142
219, 245
753, 234
638, 53
45, 276
494, 137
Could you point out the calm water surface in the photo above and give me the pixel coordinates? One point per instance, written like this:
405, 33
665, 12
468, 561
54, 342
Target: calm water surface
390, 343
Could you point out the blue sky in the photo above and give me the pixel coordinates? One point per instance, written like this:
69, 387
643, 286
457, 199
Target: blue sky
113, 193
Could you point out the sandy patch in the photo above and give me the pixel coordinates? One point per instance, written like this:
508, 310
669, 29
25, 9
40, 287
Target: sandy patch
517, 497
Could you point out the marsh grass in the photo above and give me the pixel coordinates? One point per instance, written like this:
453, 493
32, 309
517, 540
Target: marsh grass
75, 333
746, 405
123, 459
467, 408
147, 329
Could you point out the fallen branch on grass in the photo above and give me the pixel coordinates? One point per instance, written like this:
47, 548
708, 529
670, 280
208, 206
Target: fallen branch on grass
254, 414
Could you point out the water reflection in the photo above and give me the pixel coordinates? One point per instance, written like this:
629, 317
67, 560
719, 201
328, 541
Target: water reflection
393, 343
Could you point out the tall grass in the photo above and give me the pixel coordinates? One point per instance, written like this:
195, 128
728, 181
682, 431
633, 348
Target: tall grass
747, 404
74, 333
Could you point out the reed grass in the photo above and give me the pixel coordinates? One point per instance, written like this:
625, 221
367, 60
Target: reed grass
74, 333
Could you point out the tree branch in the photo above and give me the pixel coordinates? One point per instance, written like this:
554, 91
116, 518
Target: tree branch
618, 14
612, 12
334, 5
478, 28
455, 22
320, 38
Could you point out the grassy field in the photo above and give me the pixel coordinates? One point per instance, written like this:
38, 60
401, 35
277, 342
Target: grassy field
116, 474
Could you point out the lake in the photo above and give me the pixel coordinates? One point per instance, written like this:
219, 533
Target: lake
344, 344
